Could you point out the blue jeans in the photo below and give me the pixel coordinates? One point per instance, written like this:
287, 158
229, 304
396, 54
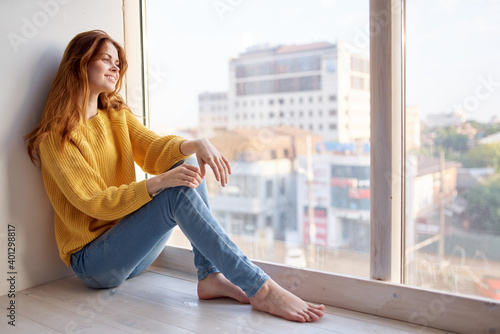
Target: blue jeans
133, 244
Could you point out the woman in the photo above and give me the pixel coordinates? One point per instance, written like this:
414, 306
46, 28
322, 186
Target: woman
108, 226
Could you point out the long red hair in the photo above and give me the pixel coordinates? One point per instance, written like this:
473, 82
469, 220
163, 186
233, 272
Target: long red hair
69, 93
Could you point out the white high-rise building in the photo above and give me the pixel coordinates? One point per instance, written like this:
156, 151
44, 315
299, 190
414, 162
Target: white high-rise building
319, 87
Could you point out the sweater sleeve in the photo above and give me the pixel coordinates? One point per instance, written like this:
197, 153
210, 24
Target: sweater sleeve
153, 153
83, 187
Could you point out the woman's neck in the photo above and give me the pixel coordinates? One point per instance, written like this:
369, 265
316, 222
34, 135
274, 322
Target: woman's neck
91, 109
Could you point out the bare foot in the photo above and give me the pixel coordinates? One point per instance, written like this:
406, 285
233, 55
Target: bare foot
218, 286
273, 299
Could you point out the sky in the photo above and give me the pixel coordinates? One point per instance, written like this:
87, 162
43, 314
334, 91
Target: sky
453, 48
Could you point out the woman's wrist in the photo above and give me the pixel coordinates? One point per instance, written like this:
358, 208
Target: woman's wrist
189, 147
154, 185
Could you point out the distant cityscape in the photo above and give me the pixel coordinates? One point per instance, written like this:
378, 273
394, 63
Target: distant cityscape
295, 124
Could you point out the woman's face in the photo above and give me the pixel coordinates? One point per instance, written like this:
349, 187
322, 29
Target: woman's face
103, 70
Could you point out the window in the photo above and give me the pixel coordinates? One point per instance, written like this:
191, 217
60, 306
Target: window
452, 236
289, 76
269, 188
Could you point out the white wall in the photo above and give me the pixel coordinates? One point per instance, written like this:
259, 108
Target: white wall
34, 34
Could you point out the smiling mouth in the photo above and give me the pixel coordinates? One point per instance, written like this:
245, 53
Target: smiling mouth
111, 78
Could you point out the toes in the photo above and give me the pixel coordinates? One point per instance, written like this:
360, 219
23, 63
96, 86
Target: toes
297, 317
313, 316
317, 311
306, 316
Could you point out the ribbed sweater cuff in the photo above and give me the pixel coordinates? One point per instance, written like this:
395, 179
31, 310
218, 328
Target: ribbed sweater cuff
142, 192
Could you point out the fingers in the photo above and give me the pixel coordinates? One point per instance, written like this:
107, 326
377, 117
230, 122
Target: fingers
192, 175
207, 154
202, 166
184, 175
220, 167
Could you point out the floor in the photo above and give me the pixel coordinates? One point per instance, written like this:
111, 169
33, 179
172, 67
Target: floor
164, 301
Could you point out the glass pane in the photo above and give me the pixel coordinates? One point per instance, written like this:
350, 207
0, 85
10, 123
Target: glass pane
282, 90
453, 146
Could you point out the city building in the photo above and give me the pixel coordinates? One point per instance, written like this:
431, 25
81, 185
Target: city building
319, 87
287, 184
336, 197
261, 198
452, 118
428, 179
491, 139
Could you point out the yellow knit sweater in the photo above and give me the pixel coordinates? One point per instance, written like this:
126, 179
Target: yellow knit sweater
91, 182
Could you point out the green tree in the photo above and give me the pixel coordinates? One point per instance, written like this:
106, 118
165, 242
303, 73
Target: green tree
451, 141
484, 155
483, 207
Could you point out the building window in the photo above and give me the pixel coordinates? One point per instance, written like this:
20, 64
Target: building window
333, 112
333, 126
282, 186
269, 188
290, 65
332, 98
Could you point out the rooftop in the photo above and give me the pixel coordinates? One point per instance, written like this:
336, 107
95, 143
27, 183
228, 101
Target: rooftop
282, 142
263, 50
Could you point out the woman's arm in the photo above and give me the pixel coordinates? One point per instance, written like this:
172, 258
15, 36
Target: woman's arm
191, 176
207, 154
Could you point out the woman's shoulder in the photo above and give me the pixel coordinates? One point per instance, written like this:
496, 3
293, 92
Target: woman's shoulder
120, 114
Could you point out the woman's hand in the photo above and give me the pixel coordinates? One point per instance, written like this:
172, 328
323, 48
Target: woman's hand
207, 154
183, 175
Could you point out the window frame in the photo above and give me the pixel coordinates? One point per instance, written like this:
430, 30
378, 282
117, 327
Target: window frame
384, 294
